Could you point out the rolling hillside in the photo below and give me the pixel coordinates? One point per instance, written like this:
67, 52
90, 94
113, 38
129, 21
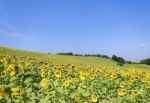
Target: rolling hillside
60, 59
32, 77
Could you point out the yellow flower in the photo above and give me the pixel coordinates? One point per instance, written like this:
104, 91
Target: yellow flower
146, 84
133, 78
135, 93
44, 83
92, 77
122, 84
145, 79
16, 91
93, 98
77, 97
66, 83
43, 73
121, 92
12, 73
11, 70
82, 76
129, 82
3, 91
58, 73
49, 74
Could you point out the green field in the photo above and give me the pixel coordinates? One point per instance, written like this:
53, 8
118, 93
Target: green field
33, 77
60, 59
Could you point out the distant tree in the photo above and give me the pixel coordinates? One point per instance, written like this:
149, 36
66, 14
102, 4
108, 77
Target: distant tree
98, 55
77, 54
129, 62
105, 56
114, 57
87, 55
120, 61
67, 53
145, 61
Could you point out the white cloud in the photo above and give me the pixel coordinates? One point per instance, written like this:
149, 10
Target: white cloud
142, 45
19, 36
5, 26
26, 37
9, 31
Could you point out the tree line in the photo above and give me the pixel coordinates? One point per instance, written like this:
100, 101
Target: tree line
145, 61
120, 60
94, 55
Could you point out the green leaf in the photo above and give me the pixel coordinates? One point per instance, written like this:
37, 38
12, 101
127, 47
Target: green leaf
14, 78
86, 93
28, 80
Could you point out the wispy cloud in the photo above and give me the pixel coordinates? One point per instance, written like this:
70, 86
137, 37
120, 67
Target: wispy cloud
9, 31
19, 36
25, 37
144, 44
6, 26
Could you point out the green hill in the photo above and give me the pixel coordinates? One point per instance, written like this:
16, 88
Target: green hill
60, 59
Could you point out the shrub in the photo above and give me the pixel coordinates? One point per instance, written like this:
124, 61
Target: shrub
120, 61
67, 53
145, 61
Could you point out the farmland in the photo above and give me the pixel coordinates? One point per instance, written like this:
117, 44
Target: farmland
32, 77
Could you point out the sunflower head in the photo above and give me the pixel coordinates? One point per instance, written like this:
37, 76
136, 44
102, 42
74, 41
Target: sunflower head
135, 93
66, 83
94, 98
121, 92
11, 70
3, 91
16, 91
82, 75
58, 73
44, 83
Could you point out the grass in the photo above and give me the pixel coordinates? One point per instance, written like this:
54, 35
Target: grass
60, 59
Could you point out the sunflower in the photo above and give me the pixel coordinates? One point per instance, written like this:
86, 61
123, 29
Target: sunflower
77, 97
43, 73
92, 77
94, 98
122, 84
146, 84
3, 91
58, 73
16, 91
66, 83
82, 75
11, 70
121, 92
135, 93
44, 83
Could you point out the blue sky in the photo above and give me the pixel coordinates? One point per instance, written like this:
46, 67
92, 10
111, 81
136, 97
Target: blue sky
120, 27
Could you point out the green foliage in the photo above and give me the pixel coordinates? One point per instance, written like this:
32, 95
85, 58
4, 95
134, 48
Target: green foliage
120, 61
145, 61
85, 60
40, 78
68, 53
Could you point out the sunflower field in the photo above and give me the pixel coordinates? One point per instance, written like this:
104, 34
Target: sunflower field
26, 79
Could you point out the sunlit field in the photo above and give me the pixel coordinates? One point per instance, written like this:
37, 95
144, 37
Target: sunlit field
29, 77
